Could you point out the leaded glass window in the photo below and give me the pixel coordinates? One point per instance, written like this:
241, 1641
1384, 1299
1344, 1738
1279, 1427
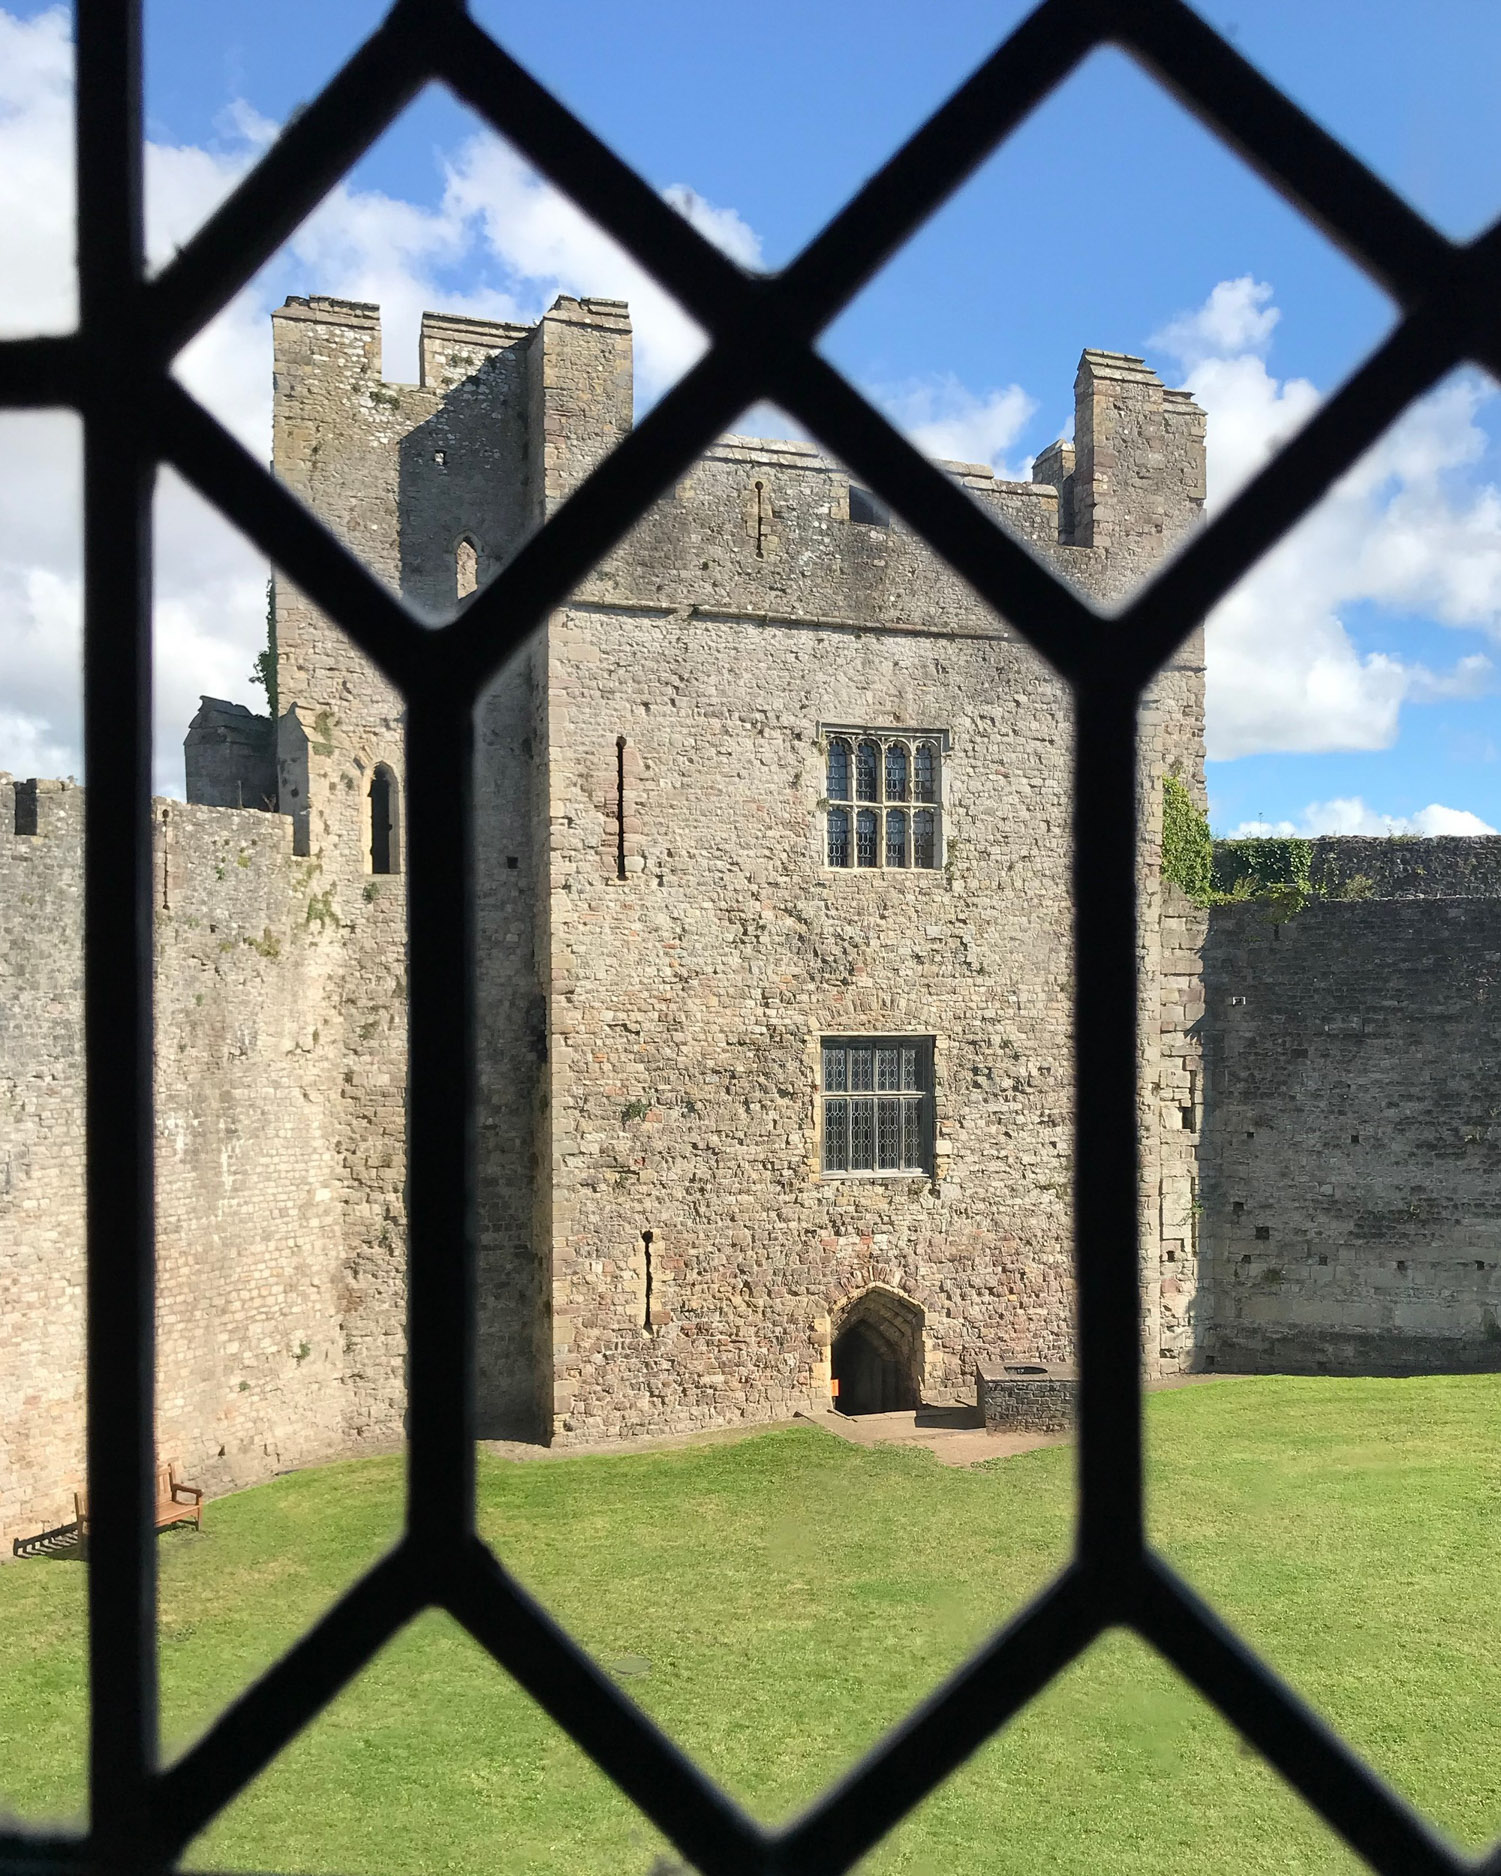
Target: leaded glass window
839, 837
877, 1105
839, 769
924, 838
887, 769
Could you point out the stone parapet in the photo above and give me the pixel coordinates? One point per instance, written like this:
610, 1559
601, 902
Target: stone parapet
1409, 867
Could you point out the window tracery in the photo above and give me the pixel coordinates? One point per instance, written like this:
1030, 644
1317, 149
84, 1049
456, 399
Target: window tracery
893, 771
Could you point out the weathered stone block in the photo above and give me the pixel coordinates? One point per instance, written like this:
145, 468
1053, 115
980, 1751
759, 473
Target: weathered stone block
1026, 1397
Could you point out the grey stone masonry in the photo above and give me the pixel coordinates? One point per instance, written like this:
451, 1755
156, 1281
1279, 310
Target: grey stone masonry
1352, 1154
664, 944
229, 757
1138, 475
664, 1242
1026, 1397
1442, 867
253, 1371
671, 1234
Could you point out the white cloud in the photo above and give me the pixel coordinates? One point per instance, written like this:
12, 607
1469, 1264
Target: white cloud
38, 292
1350, 815
1406, 530
506, 233
722, 226
1238, 316
944, 418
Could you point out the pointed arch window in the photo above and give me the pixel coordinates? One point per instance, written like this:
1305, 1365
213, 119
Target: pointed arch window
891, 770
466, 567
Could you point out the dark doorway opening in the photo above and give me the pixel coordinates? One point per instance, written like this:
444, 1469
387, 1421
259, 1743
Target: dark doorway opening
877, 1355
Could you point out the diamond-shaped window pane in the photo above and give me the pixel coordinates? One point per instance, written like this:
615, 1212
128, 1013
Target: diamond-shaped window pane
433, 1741
1108, 1200
1093, 460
1116, 1765
407, 430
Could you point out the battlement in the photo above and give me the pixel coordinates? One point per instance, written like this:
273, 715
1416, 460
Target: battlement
324, 309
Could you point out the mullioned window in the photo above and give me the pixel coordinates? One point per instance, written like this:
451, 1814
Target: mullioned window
877, 1105
884, 799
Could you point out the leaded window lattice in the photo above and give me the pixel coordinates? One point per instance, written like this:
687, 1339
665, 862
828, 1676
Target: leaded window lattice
900, 773
114, 370
877, 1105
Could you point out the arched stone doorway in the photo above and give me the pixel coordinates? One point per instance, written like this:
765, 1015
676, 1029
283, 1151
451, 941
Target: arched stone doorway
877, 1357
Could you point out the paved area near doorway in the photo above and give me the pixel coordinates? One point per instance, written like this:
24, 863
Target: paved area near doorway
955, 1435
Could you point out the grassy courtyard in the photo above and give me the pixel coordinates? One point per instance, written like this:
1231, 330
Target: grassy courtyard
776, 1602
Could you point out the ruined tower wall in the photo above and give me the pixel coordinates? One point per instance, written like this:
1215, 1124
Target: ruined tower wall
1170, 1009
503, 424
513, 1198
1135, 486
1351, 1151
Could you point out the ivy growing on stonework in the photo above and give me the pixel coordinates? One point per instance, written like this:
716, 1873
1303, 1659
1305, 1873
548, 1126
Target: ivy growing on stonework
1187, 845
1247, 869
1276, 873
263, 671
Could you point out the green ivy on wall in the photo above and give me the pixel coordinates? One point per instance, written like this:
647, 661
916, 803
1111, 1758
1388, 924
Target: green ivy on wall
1187, 845
1276, 873
1245, 869
263, 672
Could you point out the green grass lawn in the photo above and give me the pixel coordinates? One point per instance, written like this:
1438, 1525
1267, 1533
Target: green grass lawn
794, 1595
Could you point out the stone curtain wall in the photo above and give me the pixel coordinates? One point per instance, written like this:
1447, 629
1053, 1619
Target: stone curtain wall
251, 1366
1409, 868
250, 1353
42, 1163
1352, 1150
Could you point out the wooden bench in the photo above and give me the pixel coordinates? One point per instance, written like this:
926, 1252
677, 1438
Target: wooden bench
176, 1503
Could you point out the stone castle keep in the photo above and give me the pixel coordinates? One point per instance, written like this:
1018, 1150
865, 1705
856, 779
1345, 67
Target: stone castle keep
775, 1051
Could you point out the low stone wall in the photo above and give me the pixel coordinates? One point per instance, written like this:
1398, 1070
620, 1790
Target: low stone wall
1026, 1397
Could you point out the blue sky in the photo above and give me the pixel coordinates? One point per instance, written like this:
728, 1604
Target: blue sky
1362, 674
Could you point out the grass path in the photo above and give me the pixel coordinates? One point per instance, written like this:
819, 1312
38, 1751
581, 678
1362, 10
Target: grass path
794, 1595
